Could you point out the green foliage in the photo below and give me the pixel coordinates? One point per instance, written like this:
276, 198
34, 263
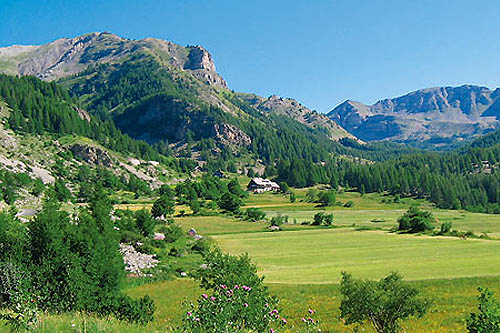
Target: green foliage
278, 220
68, 264
144, 222
312, 195
415, 220
349, 204
229, 202
284, 187
255, 214
321, 218
445, 227
293, 198
39, 107
384, 303
239, 300
327, 198
163, 206
487, 319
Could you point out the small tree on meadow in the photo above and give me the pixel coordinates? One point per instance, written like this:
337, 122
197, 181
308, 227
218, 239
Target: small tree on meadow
163, 206
327, 198
416, 220
229, 202
383, 304
487, 319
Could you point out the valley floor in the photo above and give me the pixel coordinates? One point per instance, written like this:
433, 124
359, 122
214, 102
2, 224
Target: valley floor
302, 264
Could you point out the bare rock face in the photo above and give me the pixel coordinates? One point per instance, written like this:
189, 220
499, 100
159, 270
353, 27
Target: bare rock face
230, 135
434, 116
84, 115
295, 110
199, 58
92, 155
201, 63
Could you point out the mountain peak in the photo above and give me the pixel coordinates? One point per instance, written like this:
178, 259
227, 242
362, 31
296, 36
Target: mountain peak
425, 114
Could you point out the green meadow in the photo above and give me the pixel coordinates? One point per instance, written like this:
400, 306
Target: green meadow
302, 263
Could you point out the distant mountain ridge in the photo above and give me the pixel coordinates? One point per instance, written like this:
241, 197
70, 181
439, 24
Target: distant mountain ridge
435, 116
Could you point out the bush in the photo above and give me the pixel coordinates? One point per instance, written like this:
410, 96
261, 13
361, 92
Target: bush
144, 222
172, 232
255, 214
239, 300
229, 202
384, 303
318, 218
487, 319
416, 220
163, 206
327, 198
138, 311
349, 204
278, 220
445, 227
293, 198
321, 218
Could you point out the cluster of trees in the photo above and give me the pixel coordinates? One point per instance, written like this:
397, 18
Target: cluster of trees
61, 264
450, 180
11, 182
40, 107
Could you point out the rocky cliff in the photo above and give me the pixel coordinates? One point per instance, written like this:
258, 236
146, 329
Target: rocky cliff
437, 116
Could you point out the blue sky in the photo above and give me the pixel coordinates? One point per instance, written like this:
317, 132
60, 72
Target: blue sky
318, 51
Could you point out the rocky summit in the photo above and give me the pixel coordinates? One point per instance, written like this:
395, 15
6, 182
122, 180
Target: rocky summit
432, 117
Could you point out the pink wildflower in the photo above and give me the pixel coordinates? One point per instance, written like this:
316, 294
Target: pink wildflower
212, 298
236, 287
311, 311
245, 305
204, 295
304, 320
189, 313
271, 330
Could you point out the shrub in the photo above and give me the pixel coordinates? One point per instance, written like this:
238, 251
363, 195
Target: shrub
487, 319
445, 227
384, 303
239, 299
349, 204
278, 220
318, 218
293, 198
172, 232
415, 220
284, 187
255, 214
144, 222
327, 198
138, 311
229, 202
163, 206
328, 220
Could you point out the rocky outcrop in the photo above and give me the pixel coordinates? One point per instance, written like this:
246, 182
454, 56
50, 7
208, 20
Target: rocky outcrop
84, 115
68, 56
137, 262
229, 135
437, 116
295, 110
92, 154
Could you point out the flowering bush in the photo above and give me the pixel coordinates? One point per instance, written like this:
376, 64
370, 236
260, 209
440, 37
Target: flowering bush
238, 300
231, 310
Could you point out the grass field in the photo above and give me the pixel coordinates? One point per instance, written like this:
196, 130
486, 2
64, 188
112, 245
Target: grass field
318, 256
302, 264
